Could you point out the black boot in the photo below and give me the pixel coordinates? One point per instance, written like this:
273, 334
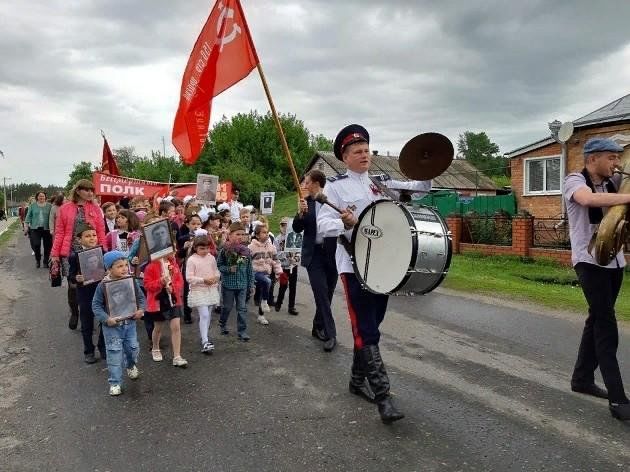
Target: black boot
358, 383
73, 322
379, 382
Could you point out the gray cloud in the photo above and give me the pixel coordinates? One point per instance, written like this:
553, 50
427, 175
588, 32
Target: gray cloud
400, 68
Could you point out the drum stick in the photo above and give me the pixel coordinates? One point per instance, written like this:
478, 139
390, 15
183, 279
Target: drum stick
323, 199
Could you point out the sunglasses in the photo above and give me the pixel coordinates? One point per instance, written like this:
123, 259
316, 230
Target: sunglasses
283, 224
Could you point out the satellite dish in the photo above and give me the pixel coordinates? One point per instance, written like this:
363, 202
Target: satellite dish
565, 132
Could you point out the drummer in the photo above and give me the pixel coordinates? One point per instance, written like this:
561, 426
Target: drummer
353, 192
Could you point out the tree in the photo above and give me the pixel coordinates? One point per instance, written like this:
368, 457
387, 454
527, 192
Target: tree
125, 158
246, 150
23, 191
159, 168
482, 153
321, 143
82, 170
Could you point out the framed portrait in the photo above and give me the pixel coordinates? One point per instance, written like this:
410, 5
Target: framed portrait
293, 258
207, 188
91, 265
120, 297
158, 238
293, 243
266, 202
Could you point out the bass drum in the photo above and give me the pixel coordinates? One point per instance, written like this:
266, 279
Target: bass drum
400, 250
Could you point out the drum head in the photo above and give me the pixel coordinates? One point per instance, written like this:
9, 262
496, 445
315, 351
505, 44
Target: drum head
384, 246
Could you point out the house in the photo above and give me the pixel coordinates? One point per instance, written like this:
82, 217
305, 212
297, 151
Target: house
538, 168
461, 175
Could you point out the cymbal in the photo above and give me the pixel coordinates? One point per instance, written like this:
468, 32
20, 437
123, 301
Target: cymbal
426, 156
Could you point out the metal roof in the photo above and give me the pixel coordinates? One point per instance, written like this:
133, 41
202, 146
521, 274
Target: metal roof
614, 112
460, 175
530, 147
617, 110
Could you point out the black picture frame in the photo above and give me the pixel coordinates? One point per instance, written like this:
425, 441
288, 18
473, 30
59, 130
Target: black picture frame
91, 265
120, 297
158, 239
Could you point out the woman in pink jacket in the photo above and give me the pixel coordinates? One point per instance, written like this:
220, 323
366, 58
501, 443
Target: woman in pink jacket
79, 209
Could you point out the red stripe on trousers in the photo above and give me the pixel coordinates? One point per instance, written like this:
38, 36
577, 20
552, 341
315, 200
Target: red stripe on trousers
358, 340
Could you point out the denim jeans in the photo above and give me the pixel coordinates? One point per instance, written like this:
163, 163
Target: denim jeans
263, 283
122, 347
229, 295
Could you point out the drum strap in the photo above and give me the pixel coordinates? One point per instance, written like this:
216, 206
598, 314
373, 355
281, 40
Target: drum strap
346, 245
384, 189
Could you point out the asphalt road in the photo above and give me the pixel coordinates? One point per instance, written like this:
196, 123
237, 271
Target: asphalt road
484, 386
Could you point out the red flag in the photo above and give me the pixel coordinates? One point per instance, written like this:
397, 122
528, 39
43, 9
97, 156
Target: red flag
109, 165
223, 55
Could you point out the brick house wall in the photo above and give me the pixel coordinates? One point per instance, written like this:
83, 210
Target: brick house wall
550, 206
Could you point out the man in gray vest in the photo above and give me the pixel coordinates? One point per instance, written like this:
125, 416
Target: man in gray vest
588, 193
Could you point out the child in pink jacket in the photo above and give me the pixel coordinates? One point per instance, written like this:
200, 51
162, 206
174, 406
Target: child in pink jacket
264, 262
203, 277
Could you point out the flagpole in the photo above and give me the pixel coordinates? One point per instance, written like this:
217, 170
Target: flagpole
283, 139
274, 114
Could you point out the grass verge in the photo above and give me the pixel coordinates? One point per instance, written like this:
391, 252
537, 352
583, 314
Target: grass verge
4, 237
543, 282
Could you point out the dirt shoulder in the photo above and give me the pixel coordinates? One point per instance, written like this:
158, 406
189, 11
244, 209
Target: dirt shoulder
14, 350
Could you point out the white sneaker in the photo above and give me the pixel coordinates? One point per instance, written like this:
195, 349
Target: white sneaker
264, 306
133, 373
207, 348
157, 355
179, 361
115, 390
262, 320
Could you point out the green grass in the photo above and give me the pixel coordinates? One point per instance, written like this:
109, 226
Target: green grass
13, 227
542, 282
285, 206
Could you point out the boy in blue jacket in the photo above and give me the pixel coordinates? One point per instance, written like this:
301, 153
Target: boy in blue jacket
121, 339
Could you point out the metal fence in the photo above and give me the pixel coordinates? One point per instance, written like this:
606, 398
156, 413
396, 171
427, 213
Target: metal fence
448, 202
551, 233
483, 229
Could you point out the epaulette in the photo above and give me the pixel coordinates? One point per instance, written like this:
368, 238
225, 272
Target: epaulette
334, 178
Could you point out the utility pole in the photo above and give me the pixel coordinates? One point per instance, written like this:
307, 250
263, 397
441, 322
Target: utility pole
163, 147
5, 193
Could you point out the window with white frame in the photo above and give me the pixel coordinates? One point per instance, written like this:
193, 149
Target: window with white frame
542, 175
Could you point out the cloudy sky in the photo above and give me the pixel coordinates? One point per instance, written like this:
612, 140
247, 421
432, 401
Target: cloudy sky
72, 67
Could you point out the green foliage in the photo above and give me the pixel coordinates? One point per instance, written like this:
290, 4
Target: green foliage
321, 143
246, 150
125, 159
82, 170
482, 153
20, 193
11, 230
158, 168
484, 229
501, 180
